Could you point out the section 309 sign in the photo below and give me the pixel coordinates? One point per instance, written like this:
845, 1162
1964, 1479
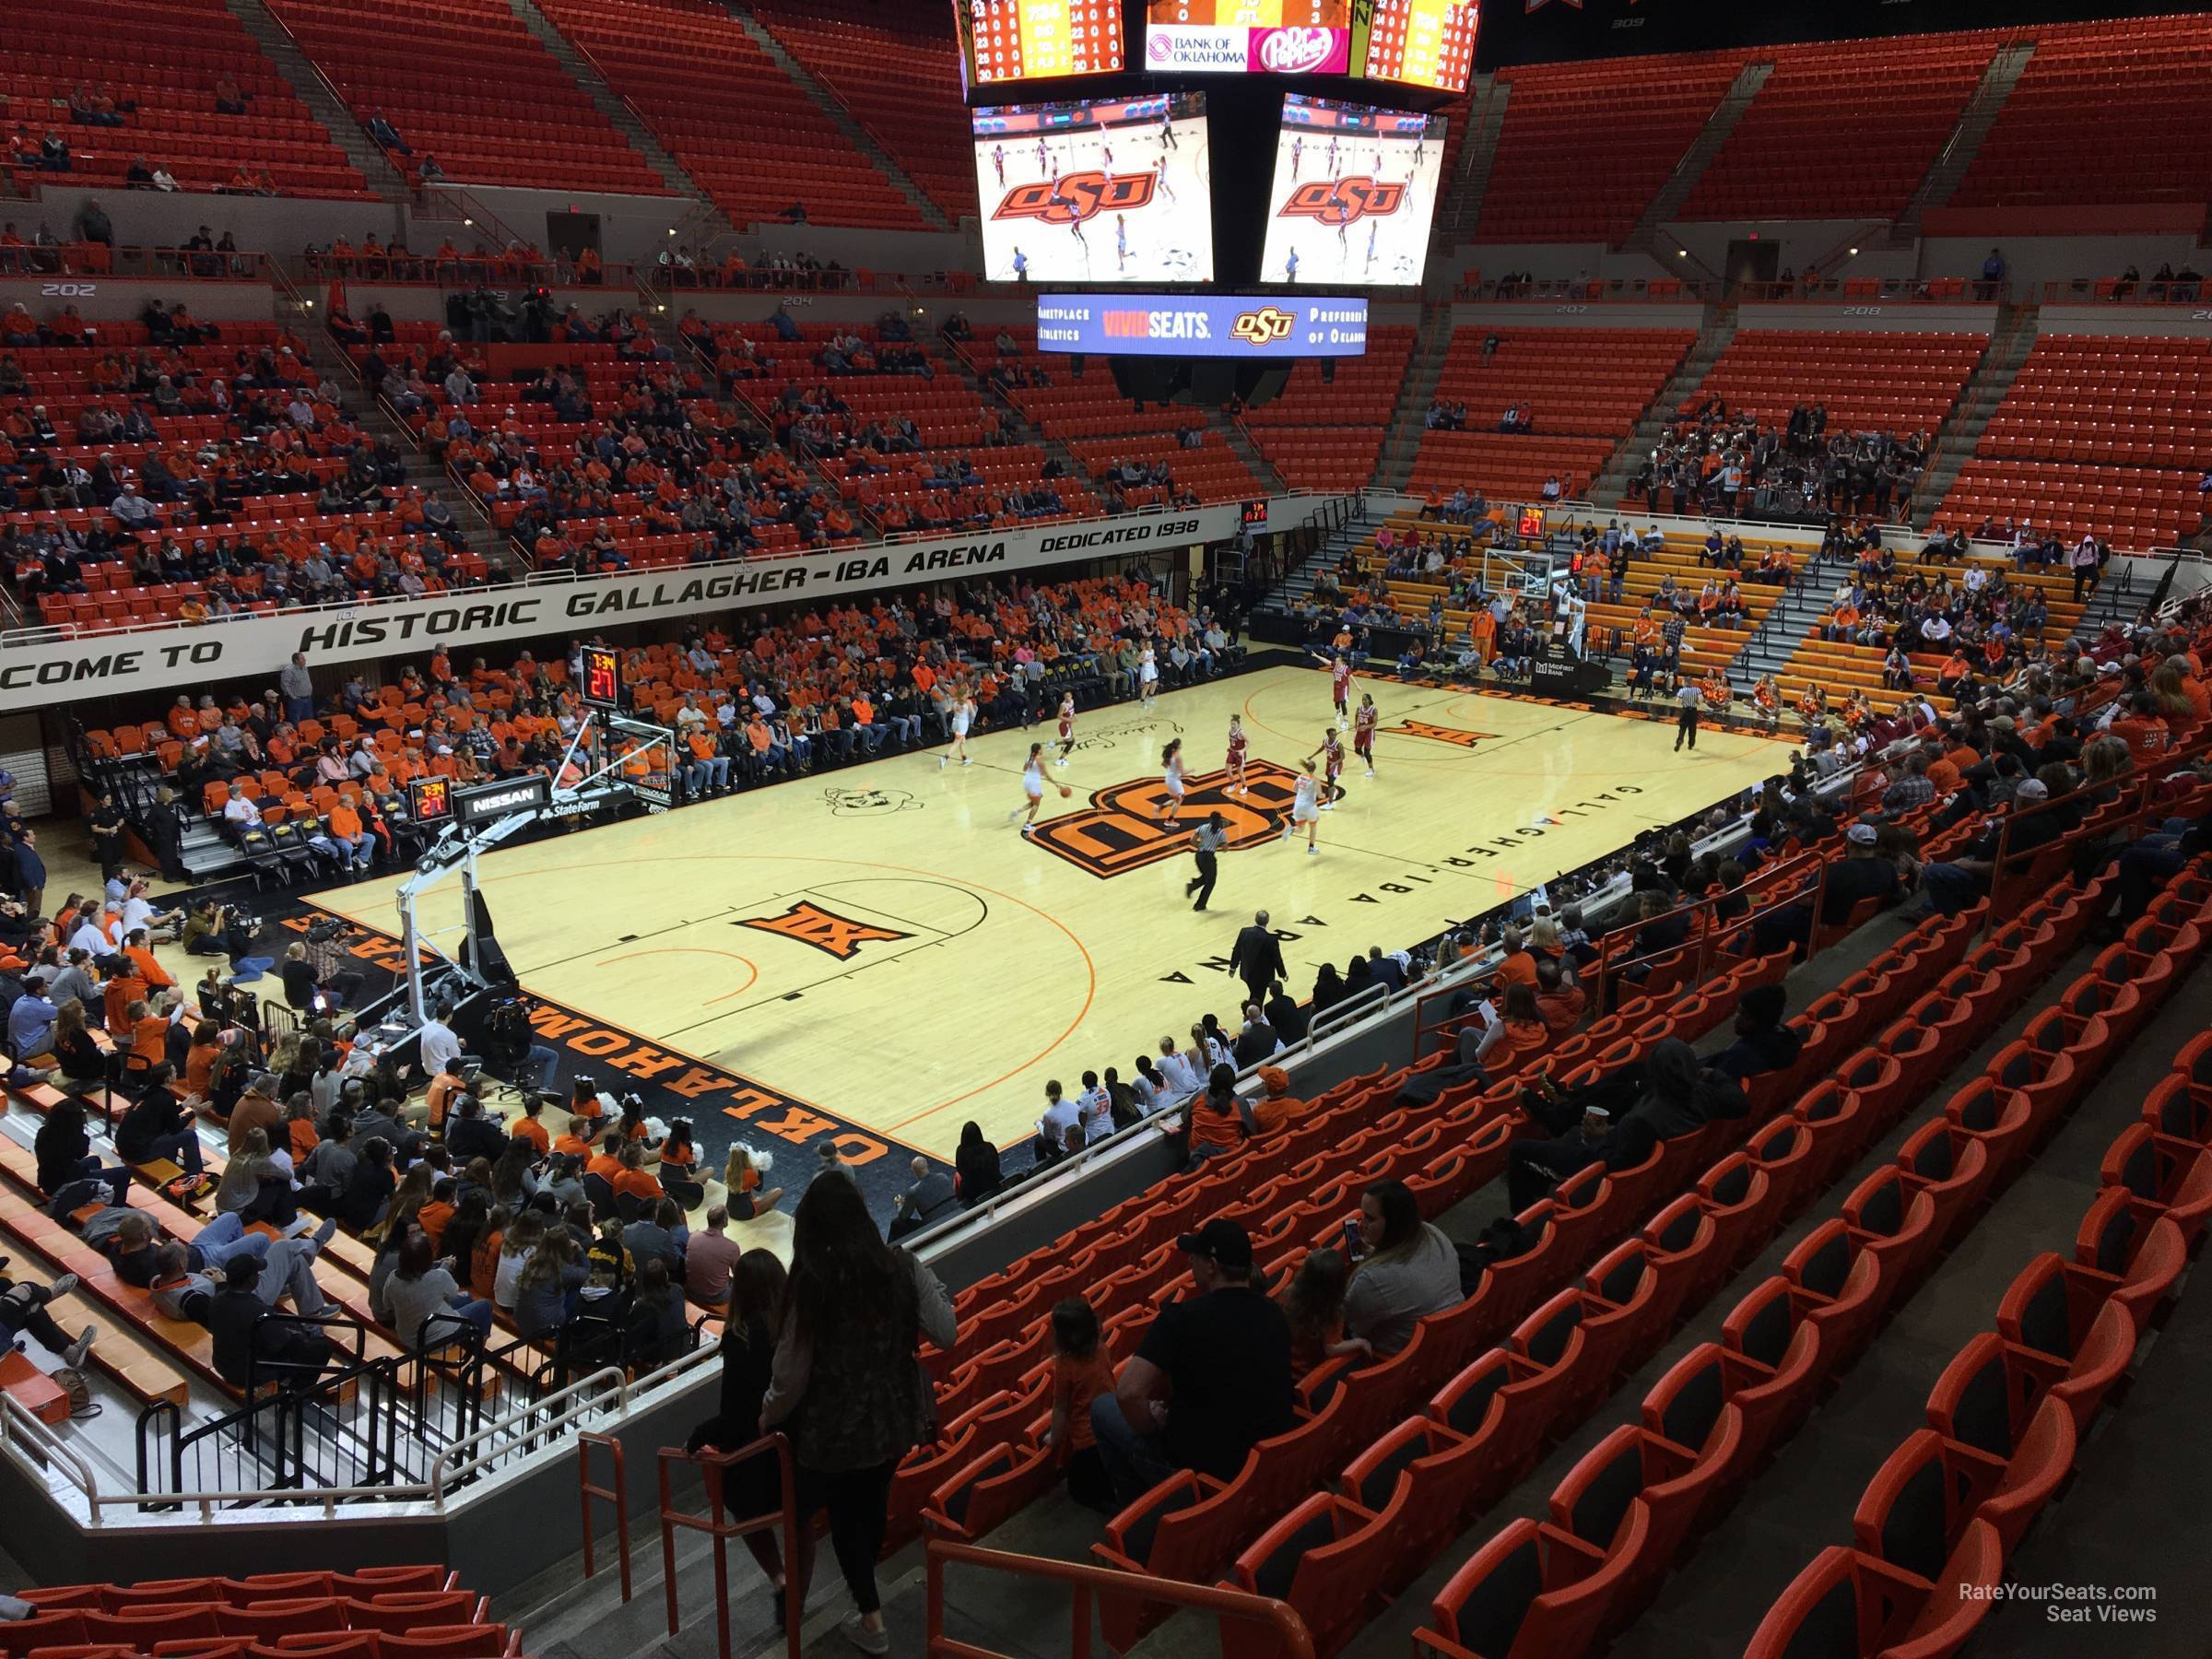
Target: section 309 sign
1208, 325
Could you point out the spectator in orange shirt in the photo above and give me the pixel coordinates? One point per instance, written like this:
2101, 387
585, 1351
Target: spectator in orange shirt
141, 958
2143, 730
344, 840
528, 1127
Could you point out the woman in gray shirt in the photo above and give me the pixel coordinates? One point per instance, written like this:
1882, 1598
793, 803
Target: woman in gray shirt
427, 1306
1410, 1270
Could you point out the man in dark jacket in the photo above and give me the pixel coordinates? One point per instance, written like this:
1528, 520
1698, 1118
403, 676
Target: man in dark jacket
1863, 872
1258, 958
472, 1135
243, 1347
1617, 1120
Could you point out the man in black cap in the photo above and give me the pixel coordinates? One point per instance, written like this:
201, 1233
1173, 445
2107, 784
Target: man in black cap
1210, 1380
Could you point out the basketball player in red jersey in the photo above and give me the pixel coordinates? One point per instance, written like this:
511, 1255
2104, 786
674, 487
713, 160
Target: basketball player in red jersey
1340, 685
1332, 766
1068, 727
1363, 730
1235, 764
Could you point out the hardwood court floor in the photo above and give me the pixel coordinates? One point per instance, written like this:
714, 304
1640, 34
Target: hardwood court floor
882, 943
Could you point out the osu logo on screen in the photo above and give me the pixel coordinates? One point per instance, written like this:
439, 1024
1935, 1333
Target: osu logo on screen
1120, 831
1263, 327
1345, 201
1077, 196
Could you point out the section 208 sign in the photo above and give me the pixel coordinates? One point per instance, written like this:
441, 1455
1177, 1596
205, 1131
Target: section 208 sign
36, 670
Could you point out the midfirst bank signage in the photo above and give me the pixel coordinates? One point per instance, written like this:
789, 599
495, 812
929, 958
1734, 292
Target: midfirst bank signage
37, 671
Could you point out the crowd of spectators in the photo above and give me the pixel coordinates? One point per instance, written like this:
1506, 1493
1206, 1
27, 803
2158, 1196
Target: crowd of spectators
1739, 466
121, 484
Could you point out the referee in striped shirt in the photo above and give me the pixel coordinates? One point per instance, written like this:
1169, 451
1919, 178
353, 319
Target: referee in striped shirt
1206, 842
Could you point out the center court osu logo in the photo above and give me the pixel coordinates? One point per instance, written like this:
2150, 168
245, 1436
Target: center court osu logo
1263, 327
809, 924
1345, 201
1073, 197
1120, 831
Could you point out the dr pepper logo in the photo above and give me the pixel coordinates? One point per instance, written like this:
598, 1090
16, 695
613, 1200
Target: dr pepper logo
1073, 197
1345, 201
1263, 327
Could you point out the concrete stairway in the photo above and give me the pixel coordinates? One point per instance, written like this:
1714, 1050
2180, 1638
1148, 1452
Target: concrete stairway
612, 105
1606, 489
1974, 122
1783, 628
857, 135
1255, 460
423, 472
1402, 437
1698, 158
1015, 424
1961, 430
1461, 208
1298, 583
324, 103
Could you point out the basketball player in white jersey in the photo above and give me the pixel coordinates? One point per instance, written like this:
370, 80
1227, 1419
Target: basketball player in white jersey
1235, 762
1305, 809
1148, 676
1068, 728
963, 717
1171, 760
1033, 786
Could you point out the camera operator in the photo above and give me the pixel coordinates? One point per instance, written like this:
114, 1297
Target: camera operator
309, 991
212, 929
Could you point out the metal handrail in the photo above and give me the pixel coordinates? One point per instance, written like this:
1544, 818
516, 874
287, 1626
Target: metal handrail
1090, 1583
714, 1467
2068, 292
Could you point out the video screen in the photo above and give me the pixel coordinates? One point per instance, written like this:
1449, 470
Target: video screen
1005, 41
1249, 37
1097, 190
1422, 43
1354, 195
1203, 325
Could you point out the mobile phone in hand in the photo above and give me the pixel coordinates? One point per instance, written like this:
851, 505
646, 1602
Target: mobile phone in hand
1351, 1238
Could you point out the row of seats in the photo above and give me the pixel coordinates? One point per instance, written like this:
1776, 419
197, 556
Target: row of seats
2007, 1417
1839, 666
1617, 1521
897, 71
465, 81
1337, 1554
676, 62
1584, 147
374, 1613
1582, 389
1891, 382
1843, 130
1292, 1191
2104, 112
1324, 430
167, 59
2097, 435
1703, 647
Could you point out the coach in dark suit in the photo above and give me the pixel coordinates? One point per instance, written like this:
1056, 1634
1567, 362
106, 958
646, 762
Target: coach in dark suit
1258, 958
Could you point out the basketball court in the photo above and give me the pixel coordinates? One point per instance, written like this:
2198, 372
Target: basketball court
879, 956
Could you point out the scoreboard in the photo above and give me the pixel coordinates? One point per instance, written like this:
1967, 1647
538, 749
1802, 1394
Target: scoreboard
1422, 43
1039, 39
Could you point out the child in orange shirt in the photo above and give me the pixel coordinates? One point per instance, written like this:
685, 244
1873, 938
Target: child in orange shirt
1081, 1373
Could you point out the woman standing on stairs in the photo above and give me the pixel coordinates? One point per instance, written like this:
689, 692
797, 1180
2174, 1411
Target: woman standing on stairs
848, 1381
